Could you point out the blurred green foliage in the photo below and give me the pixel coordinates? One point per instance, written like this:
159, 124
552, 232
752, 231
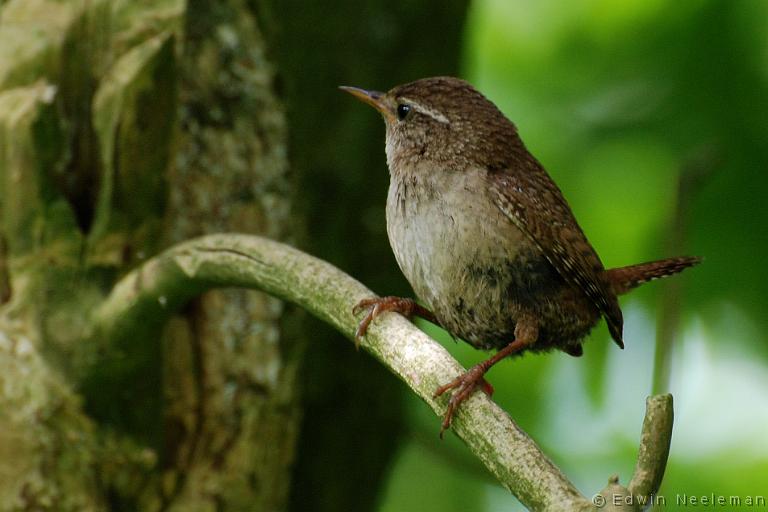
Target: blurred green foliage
617, 98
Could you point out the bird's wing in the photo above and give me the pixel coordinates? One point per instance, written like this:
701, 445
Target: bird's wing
533, 202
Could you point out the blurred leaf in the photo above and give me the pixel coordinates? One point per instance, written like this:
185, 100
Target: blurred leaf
424, 481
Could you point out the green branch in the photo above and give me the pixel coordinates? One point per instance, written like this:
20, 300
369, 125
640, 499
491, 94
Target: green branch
651, 461
149, 294
654, 446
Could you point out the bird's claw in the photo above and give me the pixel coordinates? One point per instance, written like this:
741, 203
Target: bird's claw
463, 386
364, 304
373, 311
378, 305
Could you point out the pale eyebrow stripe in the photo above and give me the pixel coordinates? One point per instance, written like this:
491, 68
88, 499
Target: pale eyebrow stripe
434, 114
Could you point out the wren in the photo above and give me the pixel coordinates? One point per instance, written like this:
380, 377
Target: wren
485, 237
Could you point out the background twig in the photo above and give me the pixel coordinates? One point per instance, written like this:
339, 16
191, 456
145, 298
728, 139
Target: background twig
696, 169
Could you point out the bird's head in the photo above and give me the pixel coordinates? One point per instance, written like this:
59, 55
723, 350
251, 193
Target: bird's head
442, 121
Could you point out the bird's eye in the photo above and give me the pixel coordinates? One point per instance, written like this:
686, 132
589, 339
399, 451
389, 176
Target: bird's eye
403, 110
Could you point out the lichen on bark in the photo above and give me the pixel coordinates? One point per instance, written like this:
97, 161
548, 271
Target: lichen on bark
124, 127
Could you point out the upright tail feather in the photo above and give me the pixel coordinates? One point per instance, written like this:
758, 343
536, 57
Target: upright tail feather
624, 279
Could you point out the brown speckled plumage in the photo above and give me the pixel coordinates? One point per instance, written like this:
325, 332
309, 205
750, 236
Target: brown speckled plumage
484, 235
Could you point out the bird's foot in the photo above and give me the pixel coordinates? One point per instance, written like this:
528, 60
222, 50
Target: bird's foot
463, 386
526, 332
379, 305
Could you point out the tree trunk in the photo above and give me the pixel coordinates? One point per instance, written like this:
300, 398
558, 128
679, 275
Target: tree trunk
125, 128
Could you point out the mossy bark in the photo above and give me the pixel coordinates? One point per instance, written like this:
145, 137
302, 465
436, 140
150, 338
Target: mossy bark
125, 127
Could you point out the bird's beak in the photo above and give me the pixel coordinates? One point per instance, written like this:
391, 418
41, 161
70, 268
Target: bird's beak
373, 98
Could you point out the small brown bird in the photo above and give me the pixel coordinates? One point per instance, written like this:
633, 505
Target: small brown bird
484, 236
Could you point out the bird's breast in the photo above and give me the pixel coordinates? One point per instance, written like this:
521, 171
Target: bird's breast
454, 246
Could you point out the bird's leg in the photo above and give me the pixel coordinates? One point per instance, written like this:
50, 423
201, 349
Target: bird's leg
526, 332
379, 305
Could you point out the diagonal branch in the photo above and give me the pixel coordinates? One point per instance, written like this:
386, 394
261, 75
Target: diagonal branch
163, 284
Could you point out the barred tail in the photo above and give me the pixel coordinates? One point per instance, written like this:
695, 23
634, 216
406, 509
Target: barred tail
625, 278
